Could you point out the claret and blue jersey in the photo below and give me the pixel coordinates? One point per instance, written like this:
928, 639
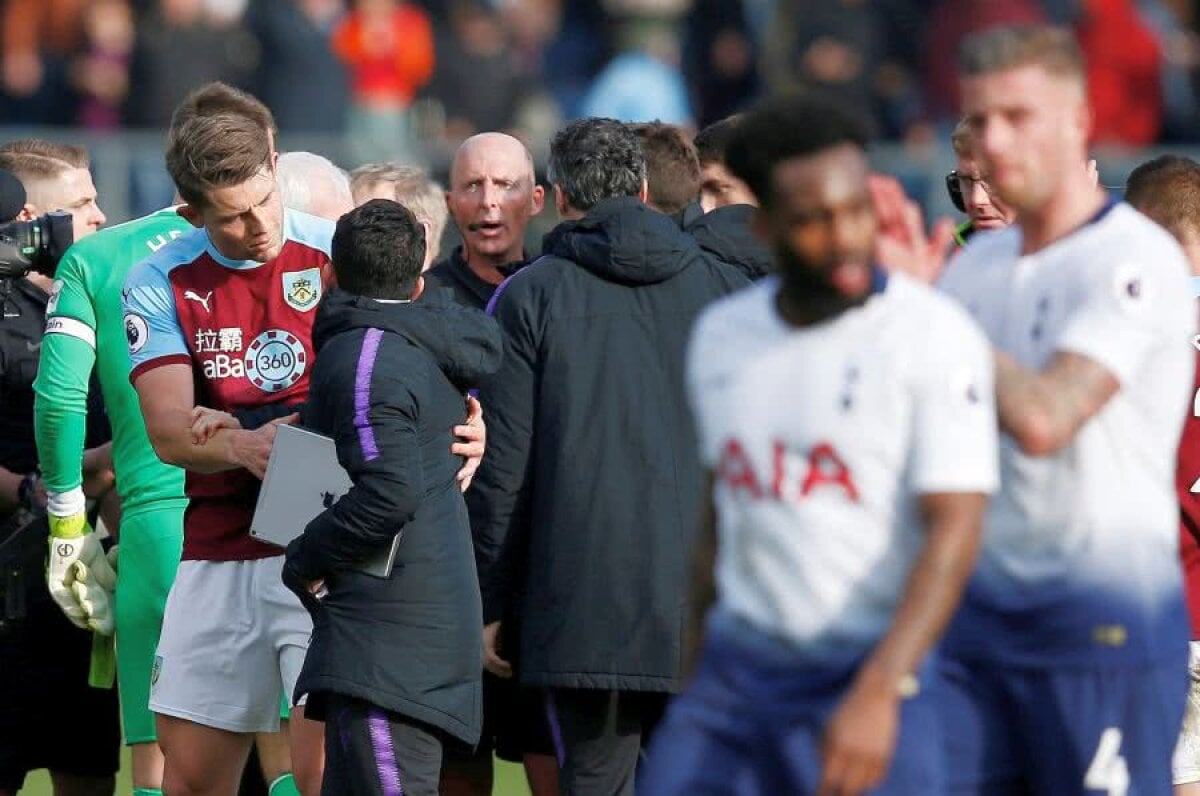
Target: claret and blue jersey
245, 329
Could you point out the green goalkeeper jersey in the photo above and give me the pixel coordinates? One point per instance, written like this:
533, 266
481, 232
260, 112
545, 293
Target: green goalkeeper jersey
85, 327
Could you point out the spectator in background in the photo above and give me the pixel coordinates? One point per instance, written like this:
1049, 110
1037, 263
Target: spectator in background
100, 72
1123, 73
37, 39
830, 45
298, 75
411, 187
181, 45
534, 28
672, 168
1174, 23
389, 49
477, 80
644, 81
725, 230
719, 58
579, 50
314, 185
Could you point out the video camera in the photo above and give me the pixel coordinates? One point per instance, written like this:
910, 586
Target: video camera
33, 245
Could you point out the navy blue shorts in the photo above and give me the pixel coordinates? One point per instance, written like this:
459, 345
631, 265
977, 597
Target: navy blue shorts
750, 722
1013, 731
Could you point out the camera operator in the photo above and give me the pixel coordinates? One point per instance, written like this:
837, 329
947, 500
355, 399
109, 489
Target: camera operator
52, 718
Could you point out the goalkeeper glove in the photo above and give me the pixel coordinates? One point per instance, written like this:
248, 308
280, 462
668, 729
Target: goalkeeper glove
72, 541
95, 596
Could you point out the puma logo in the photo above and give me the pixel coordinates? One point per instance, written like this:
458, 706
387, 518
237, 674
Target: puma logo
189, 294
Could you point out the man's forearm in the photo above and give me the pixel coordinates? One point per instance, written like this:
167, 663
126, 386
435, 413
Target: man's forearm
930, 597
1043, 411
172, 439
1027, 407
98, 475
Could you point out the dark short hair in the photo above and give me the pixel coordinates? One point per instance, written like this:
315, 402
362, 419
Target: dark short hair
1167, 190
595, 158
713, 141
378, 250
672, 167
785, 127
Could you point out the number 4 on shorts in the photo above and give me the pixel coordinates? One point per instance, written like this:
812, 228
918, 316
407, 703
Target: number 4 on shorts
1108, 772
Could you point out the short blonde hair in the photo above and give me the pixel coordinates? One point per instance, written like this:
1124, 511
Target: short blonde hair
1053, 48
32, 159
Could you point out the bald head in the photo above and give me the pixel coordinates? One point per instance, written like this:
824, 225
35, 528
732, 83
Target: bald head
497, 147
493, 194
312, 184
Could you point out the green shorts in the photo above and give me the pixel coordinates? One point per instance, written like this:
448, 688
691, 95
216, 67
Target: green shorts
151, 544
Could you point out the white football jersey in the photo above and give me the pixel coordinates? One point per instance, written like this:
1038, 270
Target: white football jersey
821, 440
1080, 552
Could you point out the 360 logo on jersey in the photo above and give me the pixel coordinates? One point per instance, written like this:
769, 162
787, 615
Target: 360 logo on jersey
275, 360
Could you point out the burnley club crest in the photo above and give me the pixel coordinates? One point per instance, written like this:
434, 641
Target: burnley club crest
302, 289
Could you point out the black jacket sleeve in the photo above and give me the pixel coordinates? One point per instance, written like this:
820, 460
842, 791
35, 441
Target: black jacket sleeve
503, 483
381, 453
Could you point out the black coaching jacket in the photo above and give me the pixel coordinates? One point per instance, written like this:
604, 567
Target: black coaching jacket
592, 473
725, 234
388, 386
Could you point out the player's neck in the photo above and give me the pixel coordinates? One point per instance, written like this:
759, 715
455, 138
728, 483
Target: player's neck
1070, 208
800, 306
487, 267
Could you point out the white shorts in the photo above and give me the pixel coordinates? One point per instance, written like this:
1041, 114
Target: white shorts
233, 639
1185, 768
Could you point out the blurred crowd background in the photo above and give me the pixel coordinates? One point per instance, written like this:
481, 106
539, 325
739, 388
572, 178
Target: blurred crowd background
365, 80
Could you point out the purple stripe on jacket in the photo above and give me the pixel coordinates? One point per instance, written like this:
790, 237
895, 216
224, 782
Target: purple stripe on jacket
362, 393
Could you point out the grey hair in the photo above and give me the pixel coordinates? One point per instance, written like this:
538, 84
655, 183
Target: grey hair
411, 187
595, 158
426, 198
304, 176
1053, 48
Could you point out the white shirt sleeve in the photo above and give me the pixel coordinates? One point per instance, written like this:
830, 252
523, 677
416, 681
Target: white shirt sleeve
1126, 311
954, 435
